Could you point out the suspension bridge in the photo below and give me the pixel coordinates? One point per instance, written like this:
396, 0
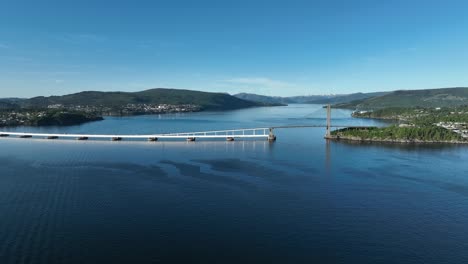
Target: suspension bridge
265, 133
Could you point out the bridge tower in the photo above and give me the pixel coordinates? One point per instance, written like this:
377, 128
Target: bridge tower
328, 135
271, 136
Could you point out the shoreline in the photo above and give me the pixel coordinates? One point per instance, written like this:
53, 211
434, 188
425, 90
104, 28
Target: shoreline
387, 138
102, 116
398, 141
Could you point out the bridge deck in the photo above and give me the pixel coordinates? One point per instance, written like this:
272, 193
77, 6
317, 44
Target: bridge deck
323, 126
252, 133
255, 133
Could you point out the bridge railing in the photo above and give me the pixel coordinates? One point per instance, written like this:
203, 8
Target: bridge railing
246, 132
234, 133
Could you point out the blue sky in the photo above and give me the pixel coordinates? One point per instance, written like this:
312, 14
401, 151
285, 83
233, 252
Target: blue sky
53, 47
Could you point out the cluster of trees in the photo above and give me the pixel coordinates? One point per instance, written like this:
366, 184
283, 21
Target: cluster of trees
59, 118
423, 133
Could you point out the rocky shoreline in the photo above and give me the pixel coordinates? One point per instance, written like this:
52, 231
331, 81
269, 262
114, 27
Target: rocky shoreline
401, 141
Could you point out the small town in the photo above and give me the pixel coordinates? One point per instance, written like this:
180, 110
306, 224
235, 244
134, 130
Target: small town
16, 118
129, 109
457, 127
21, 117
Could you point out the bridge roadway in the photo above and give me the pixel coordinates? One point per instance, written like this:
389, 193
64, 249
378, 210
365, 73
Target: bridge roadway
324, 126
256, 133
248, 133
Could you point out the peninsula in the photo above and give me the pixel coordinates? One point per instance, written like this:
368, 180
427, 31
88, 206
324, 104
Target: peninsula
414, 124
430, 115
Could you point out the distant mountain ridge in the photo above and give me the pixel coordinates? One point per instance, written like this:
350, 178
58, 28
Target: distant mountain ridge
440, 97
281, 100
206, 100
308, 99
258, 98
347, 98
263, 98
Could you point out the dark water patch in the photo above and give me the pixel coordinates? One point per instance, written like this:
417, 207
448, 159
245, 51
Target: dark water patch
110, 166
194, 171
400, 173
452, 187
291, 166
12, 161
149, 173
53, 214
360, 173
246, 167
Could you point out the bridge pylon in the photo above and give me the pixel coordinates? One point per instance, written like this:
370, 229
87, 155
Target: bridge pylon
328, 134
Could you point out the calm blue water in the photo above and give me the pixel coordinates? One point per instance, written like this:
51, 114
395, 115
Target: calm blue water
298, 200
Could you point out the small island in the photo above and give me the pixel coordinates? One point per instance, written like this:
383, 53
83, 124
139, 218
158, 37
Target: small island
415, 125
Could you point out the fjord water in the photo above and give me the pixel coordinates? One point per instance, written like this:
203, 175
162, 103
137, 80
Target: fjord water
298, 200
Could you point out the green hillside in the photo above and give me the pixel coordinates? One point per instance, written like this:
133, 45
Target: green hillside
208, 101
444, 97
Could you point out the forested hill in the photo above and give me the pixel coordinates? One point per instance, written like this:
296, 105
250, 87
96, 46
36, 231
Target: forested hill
10, 103
206, 100
444, 97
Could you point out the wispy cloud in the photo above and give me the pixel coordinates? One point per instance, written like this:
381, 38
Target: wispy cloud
260, 81
258, 85
160, 44
82, 38
384, 56
144, 44
15, 58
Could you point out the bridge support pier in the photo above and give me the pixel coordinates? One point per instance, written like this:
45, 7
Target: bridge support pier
271, 136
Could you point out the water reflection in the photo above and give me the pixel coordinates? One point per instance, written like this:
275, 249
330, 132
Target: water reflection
327, 156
